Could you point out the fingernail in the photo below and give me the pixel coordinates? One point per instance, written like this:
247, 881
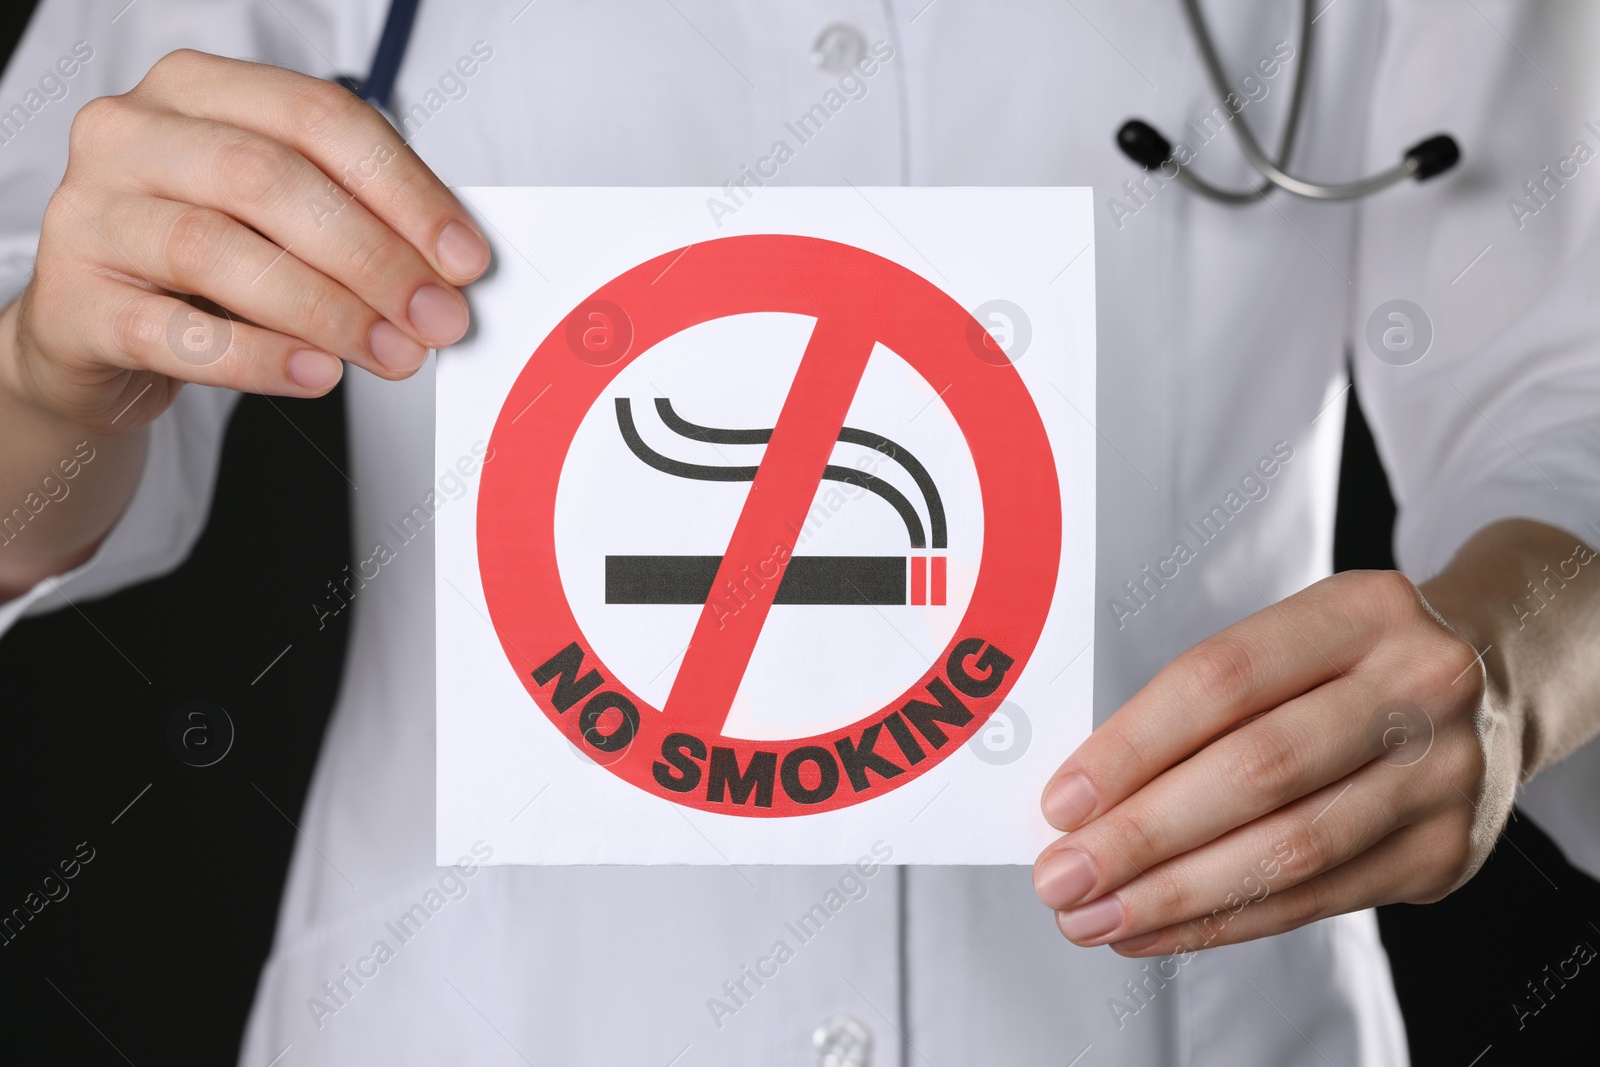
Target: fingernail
393, 348
438, 314
461, 252
317, 371
1092, 920
1068, 802
1129, 945
1064, 879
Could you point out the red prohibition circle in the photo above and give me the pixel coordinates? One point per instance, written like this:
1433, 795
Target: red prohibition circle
678, 752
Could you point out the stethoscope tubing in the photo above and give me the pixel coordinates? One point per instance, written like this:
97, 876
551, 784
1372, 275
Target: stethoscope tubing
1145, 145
378, 86
1290, 127
1274, 172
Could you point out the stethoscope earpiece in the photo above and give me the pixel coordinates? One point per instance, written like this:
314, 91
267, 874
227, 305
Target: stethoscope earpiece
1143, 143
1434, 156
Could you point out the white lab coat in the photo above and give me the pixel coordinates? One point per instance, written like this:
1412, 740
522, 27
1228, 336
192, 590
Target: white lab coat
1222, 333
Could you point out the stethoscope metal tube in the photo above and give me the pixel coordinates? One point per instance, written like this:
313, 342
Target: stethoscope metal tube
1144, 144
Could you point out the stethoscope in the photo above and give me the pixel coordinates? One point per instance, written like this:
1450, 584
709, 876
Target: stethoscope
378, 86
1144, 144
1139, 141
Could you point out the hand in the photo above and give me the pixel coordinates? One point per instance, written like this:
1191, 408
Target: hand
283, 199
1336, 751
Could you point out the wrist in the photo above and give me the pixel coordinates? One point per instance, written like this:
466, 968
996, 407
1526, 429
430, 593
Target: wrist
18, 401
1487, 596
23, 404
9, 347
1474, 617
62, 485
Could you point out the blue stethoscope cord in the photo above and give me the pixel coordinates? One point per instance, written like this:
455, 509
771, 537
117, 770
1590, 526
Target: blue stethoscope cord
378, 86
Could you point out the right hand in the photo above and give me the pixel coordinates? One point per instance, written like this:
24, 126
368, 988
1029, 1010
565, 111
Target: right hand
283, 199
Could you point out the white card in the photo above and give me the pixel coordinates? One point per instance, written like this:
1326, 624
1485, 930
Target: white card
783, 540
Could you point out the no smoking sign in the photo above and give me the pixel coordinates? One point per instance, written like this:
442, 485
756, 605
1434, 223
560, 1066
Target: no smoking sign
766, 533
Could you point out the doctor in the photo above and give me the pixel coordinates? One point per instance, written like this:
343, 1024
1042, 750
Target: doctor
1240, 808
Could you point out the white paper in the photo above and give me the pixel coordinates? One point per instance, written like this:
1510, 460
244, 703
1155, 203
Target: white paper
537, 396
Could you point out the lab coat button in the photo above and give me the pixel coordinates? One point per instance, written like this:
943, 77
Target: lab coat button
838, 48
843, 1042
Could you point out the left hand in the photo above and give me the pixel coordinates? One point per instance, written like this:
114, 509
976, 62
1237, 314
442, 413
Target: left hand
1339, 750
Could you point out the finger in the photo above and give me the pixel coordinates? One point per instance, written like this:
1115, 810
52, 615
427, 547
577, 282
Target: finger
1368, 881
343, 135
1276, 758
203, 252
129, 328
1254, 665
1292, 845
274, 189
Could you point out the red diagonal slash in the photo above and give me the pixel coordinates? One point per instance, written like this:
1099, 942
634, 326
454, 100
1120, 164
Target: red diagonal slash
785, 484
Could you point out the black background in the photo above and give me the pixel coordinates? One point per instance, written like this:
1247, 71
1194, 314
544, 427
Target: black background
153, 955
